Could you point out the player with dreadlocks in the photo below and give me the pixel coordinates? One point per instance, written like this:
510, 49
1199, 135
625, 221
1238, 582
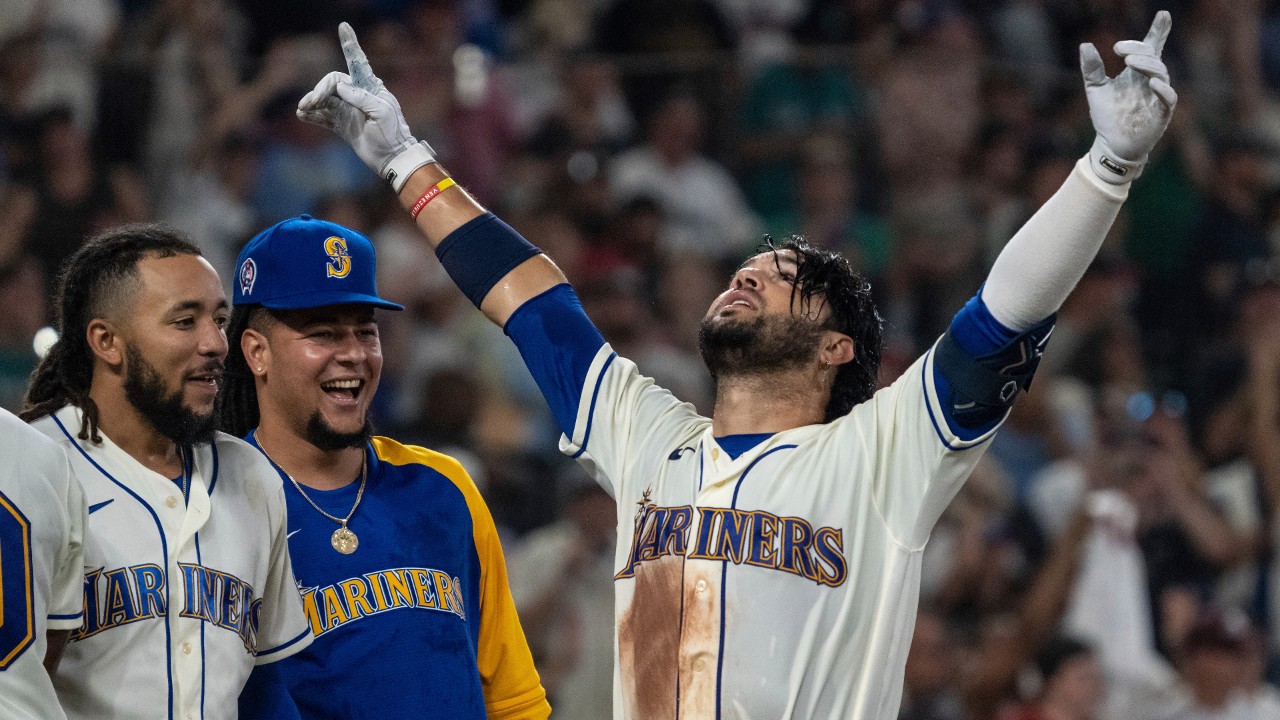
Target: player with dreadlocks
188, 583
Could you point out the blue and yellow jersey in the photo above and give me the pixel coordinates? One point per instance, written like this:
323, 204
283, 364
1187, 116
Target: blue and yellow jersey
419, 620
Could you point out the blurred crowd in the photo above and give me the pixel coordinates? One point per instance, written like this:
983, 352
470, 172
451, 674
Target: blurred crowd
1113, 556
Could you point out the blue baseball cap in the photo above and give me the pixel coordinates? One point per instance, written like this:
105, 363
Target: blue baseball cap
303, 262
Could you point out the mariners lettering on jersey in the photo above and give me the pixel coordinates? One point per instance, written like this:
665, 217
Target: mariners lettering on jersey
349, 600
742, 537
114, 598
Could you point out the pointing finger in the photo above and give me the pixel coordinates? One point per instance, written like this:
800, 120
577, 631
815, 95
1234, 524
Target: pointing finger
1091, 66
1159, 31
357, 64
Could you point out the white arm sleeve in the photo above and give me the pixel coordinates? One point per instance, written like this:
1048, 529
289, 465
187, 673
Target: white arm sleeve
1047, 257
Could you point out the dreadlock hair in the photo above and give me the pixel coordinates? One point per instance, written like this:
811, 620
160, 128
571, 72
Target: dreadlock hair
828, 279
99, 278
238, 407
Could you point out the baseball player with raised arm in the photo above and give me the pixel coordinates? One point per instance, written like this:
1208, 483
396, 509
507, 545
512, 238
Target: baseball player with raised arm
42, 519
403, 579
186, 580
768, 563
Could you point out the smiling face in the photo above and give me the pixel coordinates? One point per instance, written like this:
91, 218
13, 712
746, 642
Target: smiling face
173, 345
318, 371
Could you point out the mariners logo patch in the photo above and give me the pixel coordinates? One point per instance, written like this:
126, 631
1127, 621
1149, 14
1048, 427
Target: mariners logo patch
247, 276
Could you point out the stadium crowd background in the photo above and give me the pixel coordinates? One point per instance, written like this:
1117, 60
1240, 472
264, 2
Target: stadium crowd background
1114, 555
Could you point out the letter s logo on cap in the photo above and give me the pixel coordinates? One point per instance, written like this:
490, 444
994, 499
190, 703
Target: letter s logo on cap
339, 260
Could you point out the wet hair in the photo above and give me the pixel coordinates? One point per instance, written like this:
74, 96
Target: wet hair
98, 280
238, 412
828, 279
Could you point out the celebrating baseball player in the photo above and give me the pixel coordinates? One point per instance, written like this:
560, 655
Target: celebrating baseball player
186, 580
42, 519
402, 575
768, 563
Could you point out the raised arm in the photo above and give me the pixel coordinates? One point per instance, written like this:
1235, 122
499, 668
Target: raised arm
994, 343
511, 281
1046, 258
496, 268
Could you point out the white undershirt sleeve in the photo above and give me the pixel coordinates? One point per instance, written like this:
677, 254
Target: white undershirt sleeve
1047, 257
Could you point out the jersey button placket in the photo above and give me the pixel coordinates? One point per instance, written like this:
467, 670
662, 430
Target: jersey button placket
171, 501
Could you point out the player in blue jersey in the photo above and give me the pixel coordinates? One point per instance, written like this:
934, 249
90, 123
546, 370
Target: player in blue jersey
769, 557
399, 564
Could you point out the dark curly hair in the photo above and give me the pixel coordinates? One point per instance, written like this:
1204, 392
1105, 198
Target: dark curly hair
826, 278
97, 279
238, 409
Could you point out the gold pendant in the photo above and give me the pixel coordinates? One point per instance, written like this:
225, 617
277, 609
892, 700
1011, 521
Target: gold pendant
344, 541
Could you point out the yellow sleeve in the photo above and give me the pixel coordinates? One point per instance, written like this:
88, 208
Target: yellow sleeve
512, 688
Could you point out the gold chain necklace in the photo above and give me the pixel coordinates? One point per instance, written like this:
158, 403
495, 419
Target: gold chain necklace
342, 540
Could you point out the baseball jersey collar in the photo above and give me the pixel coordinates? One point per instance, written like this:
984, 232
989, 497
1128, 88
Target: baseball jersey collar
153, 487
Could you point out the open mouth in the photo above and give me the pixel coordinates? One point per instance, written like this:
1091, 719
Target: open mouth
737, 299
211, 378
343, 389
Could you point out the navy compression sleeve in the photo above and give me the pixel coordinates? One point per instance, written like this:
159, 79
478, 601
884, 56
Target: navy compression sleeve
558, 342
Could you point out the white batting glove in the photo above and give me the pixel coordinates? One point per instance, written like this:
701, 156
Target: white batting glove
1130, 111
359, 108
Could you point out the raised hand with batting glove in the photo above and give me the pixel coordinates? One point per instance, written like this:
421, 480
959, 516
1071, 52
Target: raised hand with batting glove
1131, 110
358, 107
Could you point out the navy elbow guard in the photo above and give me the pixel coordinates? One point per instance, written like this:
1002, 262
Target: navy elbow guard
982, 389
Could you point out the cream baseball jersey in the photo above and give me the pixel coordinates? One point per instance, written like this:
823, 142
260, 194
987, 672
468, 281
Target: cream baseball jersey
187, 582
42, 519
782, 583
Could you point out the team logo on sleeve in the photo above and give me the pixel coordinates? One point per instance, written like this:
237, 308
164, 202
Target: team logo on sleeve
247, 276
339, 260
742, 537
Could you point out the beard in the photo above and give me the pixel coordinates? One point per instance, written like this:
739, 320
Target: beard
144, 388
757, 347
324, 437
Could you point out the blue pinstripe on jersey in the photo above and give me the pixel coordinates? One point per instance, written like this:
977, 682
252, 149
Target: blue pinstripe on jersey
164, 548
724, 569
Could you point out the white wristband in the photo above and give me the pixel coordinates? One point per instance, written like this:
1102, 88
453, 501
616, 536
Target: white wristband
1110, 167
397, 171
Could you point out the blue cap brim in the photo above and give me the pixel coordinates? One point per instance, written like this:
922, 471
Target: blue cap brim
326, 299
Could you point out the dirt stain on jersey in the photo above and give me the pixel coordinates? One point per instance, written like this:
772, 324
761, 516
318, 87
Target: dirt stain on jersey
649, 639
